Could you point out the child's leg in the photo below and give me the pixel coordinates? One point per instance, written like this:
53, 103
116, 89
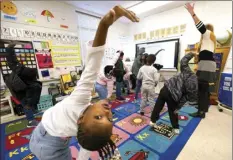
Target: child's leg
172, 106
101, 90
138, 87
144, 99
159, 105
151, 96
128, 86
47, 147
83, 154
173, 118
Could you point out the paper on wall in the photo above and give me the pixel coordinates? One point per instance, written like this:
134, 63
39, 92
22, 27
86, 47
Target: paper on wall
38, 35
43, 35
27, 33
76, 38
5, 31
49, 35
54, 36
59, 36
33, 34
13, 32
20, 33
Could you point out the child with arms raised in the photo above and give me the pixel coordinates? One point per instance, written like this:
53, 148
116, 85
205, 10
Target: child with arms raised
176, 92
75, 116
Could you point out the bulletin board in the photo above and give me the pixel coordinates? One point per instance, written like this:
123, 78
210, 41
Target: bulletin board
43, 54
25, 55
66, 55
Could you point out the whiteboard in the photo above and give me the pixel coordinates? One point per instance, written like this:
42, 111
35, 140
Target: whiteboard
168, 57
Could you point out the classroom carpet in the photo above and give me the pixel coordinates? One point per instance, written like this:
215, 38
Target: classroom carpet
135, 139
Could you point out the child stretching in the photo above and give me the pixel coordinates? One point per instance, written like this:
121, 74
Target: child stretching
176, 92
75, 116
149, 76
104, 83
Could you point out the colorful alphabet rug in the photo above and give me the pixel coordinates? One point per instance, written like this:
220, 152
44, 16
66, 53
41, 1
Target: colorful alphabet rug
134, 138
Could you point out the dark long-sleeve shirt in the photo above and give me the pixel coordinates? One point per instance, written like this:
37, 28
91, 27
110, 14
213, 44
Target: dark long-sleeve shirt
183, 86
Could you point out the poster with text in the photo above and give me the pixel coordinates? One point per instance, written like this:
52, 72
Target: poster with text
43, 54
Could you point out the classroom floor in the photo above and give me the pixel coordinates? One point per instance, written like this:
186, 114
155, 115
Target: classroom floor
211, 139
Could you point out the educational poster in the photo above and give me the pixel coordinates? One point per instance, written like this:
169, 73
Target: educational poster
182, 28
9, 10
152, 34
66, 55
135, 37
31, 35
157, 33
144, 35
43, 54
139, 36
168, 31
175, 30
24, 55
162, 32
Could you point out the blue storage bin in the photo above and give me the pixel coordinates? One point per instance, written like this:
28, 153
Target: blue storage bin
45, 102
225, 89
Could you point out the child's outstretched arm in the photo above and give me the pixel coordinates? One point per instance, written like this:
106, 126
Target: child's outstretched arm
184, 66
82, 92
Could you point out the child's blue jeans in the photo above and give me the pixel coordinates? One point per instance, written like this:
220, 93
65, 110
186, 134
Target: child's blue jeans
138, 87
101, 90
47, 147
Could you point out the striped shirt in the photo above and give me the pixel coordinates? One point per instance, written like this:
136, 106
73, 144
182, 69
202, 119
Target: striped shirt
206, 66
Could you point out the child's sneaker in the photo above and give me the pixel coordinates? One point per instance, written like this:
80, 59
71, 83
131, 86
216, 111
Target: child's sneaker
32, 123
154, 125
176, 131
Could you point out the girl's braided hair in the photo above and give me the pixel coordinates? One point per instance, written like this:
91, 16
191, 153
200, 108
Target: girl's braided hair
101, 143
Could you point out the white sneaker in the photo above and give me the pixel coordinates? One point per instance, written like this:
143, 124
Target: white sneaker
154, 125
176, 131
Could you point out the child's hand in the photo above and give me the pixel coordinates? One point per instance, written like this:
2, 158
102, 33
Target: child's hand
116, 13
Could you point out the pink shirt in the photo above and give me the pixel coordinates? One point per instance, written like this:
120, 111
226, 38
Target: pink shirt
102, 80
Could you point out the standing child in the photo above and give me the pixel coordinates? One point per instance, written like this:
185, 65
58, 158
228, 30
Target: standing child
149, 76
127, 82
75, 115
104, 83
119, 71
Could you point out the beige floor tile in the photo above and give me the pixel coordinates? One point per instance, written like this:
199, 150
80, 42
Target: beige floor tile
212, 139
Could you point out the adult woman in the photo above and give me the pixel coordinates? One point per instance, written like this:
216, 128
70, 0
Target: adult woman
206, 71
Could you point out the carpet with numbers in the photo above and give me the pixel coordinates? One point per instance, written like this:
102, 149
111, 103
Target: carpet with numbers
134, 138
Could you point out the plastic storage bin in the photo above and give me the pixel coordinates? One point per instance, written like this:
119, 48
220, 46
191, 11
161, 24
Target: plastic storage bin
45, 102
225, 89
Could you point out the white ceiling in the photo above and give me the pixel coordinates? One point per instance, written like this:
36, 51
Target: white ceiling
101, 7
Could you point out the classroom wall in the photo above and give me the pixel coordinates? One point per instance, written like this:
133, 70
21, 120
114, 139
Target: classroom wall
219, 13
64, 14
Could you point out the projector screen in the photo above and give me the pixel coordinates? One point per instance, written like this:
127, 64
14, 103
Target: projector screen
168, 55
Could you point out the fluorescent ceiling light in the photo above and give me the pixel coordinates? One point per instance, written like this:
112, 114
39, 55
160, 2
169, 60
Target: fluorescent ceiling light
147, 6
